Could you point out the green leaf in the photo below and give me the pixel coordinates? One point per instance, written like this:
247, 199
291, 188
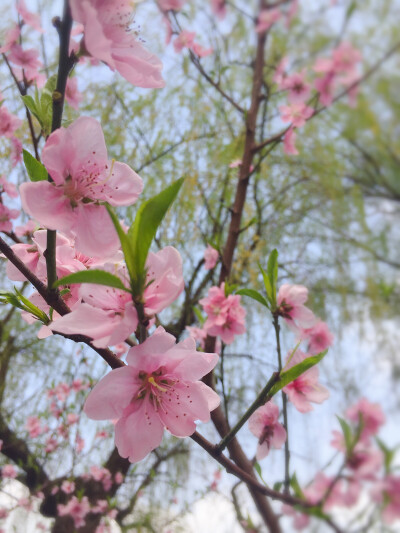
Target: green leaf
296, 371
267, 284
350, 10
272, 271
389, 454
257, 468
36, 171
98, 277
143, 230
348, 435
296, 487
251, 293
19, 301
46, 103
32, 106
125, 245
199, 315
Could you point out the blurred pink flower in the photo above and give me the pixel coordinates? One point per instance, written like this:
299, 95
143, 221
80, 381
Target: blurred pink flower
289, 140
290, 301
211, 256
107, 37
72, 94
218, 7
305, 388
388, 492
29, 18
68, 487
8, 123
264, 424
319, 337
297, 114
8, 188
9, 471
267, 18
76, 509
371, 416
175, 5
225, 314
6, 215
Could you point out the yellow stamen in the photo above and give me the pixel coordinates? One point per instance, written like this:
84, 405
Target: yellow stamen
151, 380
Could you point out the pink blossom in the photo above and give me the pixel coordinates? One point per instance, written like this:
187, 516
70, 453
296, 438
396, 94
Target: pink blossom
290, 300
299, 90
72, 418
158, 389
264, 424
218, 7
8, 188
292, 12
61, 390
102, 434
12, 37
118, 478
267, 18
28, 60
34, 426
102, 475
289, 140
165, 268
83, 177
201, 51
16, 151
388, 492
300, 520
9, 471
120, 348
77, 385
29, 18
305, 388
8, 123
225, 314
80, 444
316, 491
296, 114
68, 487
67, 260
72, 94
100, 507
279, 74
184, 40
345, 58
211, 256
318, 336
371, 415
200, 335
3, 515
174, 5
340, 69
108, 38
6, 215
365, 462
108, 315
236, 163
51, 445
76, 509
